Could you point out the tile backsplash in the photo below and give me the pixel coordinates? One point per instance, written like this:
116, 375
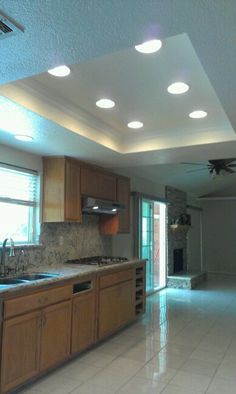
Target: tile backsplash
63, 241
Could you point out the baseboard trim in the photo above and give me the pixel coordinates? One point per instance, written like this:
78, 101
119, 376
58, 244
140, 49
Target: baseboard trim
221, 273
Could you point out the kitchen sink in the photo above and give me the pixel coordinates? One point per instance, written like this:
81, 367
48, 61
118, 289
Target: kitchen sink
31, 277
10, 281
25, 278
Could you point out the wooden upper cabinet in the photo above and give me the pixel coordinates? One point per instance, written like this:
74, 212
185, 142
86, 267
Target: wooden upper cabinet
65, 180
120, 223
61, 190
72, 191
123, 196
89, 182
98, 183
107, 186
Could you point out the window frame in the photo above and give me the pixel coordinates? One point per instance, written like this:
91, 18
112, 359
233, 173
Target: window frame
34, 205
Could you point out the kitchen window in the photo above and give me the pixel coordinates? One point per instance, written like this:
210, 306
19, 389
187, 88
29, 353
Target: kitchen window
19, 204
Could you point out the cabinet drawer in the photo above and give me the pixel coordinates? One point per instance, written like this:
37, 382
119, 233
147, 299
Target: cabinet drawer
118, 277
28, 303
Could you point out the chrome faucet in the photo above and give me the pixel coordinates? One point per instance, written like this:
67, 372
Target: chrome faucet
3, 256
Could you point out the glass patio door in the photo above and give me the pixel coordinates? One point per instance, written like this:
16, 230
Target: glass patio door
152, 243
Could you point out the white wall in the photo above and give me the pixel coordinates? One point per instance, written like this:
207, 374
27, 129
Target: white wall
122, 244
219, 236
20, 158
194, 244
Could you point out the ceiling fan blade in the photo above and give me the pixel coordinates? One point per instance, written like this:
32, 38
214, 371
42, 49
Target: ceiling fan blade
227, 169
195, 164
228, 161
222, 162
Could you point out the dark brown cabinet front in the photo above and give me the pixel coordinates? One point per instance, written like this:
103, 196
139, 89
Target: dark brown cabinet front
123, 196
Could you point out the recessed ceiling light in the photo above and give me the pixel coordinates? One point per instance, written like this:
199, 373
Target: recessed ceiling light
26, 138
178, 88
135, 125
95, 207
149, 46
198, 114
105, 103
60, 71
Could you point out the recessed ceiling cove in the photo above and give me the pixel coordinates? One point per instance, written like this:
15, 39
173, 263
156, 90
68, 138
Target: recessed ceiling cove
138, 85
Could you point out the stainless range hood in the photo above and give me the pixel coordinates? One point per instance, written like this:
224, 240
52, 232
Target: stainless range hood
97, 206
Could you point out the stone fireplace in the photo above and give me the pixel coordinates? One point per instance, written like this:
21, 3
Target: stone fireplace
177, 272
177, 239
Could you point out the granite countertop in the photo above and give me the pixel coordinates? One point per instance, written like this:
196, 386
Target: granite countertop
64, 271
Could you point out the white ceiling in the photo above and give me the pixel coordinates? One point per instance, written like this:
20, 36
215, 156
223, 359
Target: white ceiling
91, 29
138, 84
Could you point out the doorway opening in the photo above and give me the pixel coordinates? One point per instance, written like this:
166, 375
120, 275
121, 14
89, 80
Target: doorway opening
153, 243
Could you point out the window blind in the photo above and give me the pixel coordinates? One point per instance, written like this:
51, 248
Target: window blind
18, 186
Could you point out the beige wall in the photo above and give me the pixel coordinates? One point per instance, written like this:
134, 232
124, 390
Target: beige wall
219, 236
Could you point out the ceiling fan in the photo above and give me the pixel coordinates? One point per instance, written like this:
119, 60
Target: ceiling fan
216, 167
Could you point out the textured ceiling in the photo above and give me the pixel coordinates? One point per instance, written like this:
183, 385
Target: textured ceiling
75, 31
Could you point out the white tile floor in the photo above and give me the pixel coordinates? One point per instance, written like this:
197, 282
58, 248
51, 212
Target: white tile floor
185, 344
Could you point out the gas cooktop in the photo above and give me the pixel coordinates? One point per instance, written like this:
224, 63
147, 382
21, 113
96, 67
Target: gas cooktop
98, 260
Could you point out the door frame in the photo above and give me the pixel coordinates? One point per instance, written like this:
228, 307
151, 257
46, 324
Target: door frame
137, 227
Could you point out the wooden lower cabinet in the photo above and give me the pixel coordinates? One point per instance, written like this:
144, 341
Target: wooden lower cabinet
116, 307
64, 322
55, 335
34, 342
83, 322
20, 350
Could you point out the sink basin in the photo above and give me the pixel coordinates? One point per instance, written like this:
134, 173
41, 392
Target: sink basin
31, 277
25, 278
10, 281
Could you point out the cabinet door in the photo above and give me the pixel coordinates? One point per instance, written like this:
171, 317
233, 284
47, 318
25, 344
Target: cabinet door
108, 311
107, 186
96, 183
123, 196
72, 191
53, 189
83, 322
116, 307
20, 350
89, 182
55, 336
